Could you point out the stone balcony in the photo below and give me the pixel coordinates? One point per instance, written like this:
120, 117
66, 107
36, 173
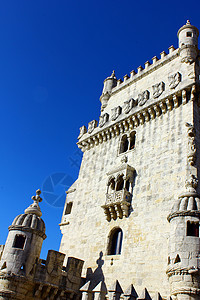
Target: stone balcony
117, 204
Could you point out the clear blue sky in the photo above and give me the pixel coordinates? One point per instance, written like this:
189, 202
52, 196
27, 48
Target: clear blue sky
54, 58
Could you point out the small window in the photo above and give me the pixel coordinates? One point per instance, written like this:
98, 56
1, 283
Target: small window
189, 34
19, 241
124, 144
132, 141
111, 185
68, 208
192, 228
115, 243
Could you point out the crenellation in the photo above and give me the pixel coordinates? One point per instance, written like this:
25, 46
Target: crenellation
171, 49
154, 59
163, 54
140, 69
147, 64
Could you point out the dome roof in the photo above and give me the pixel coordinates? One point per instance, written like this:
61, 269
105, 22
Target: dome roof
31, 218
31, 221
188, 25
188, 203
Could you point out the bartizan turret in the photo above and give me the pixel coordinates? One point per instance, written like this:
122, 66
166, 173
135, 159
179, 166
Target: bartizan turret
188, 43
183, 260
109, 83
24, 241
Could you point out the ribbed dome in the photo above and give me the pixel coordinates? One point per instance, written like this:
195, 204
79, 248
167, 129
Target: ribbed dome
31, 221
187, 202
31, 218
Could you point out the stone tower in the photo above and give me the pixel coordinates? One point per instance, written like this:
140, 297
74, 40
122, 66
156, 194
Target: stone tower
24, 242
23, 275
133, 213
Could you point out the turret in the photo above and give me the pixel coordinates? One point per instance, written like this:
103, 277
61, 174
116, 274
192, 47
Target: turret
183, 260
188, 42
24, 241
109, 83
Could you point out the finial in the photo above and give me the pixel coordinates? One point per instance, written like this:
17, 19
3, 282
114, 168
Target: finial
34, 207
113, 74
188, 22
191, 183
37, 198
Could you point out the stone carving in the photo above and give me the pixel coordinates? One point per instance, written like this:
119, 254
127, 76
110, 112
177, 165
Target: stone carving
191, 144
83, 130
143, 97
158, 89
119, 192
91, 126
191, 183
128, 105
174, 80
103, 119
116, 111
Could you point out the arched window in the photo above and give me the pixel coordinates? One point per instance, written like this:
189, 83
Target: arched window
111, 185
115, 242
132, 140
120, 183
127, 142
124, 144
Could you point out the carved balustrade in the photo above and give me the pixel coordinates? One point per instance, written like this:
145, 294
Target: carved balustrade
117, 204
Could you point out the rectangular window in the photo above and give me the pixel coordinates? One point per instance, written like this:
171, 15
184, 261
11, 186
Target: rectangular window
68, 208
189, 34
19, 241
192, 228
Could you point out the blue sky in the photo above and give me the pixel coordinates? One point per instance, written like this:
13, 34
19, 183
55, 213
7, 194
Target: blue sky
54, 58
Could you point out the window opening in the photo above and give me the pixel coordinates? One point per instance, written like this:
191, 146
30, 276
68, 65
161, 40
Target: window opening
19, 241
116, 242
68, 208
120, 183
112, 185
124, 144
192, 229
132, 140
189, 34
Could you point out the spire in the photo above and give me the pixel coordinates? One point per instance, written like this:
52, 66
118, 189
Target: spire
34, 207
188, 22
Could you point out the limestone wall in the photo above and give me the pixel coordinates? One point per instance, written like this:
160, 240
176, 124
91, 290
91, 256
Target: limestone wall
160, 161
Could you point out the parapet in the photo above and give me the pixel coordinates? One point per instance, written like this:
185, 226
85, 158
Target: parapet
115, 292
48, 278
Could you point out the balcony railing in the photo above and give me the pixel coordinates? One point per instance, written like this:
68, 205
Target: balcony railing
117, 204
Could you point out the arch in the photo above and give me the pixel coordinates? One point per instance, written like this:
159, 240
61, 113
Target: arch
124, 144
115, 241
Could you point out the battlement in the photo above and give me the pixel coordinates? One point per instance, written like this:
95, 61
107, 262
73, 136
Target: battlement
115, 292
47, 277
148, 68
